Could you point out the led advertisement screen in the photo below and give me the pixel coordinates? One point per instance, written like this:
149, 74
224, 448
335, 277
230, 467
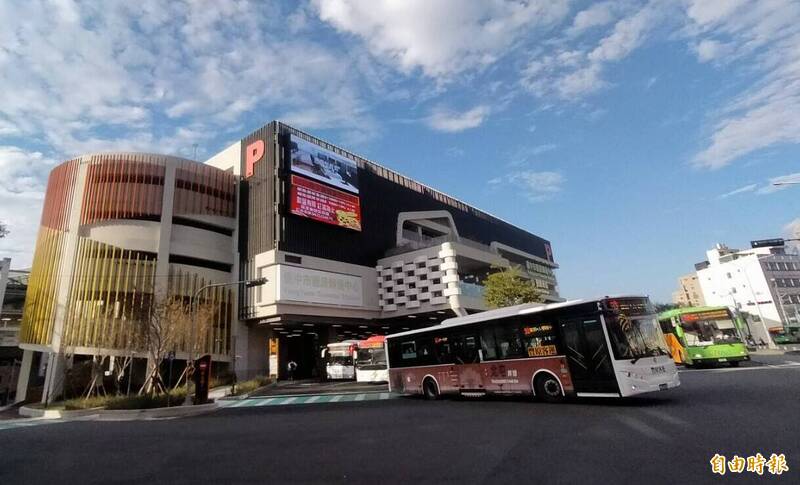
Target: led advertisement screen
325, 204
320, 164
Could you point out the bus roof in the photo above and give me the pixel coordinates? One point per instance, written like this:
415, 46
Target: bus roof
524, 309
694, 309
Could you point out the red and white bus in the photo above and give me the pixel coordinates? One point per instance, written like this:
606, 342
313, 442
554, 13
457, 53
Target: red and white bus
371, 363
609, 347
339, 358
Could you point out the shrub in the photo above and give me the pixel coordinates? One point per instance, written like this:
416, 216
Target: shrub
173, 398
246, 387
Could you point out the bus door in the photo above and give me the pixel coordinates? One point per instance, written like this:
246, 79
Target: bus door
587, 355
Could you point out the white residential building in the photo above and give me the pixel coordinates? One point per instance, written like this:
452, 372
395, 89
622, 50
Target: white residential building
762, 282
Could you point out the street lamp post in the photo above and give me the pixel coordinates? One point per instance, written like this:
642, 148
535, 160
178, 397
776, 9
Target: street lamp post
193, 307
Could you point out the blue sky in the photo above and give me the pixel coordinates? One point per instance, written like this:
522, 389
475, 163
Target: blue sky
633, 135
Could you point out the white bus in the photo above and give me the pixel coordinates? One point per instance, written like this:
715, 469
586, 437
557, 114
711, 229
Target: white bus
339, 360
371, 363
608, 347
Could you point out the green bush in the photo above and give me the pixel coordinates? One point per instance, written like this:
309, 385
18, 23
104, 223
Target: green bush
247, 387
174, 398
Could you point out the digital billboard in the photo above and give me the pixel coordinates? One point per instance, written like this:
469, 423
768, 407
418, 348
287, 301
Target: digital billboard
320, 164
325, 204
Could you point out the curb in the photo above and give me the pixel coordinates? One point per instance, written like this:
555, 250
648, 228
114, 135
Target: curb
100, 414
31, 412
155, 413
354, 393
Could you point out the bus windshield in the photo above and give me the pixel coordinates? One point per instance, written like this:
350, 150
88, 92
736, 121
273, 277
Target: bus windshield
633, 338
371, 358
708, 329
340, 360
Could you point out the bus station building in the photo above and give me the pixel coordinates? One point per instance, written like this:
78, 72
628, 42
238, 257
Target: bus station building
349, 249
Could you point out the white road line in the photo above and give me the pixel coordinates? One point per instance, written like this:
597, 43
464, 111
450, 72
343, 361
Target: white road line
336, 398
384, 395
255, 402
313, 399
666, 417
290, 400
360, 397
644, 428
795, 366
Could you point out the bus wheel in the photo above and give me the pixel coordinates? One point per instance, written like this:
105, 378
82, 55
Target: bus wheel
548, 388
430, 389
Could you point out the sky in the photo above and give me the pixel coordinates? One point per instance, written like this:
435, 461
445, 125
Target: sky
634, 135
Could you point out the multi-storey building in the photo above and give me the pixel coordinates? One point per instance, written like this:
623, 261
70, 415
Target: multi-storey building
689, 293
763, 282
348, 248
13, 286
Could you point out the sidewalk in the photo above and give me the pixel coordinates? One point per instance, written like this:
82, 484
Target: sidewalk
312, 387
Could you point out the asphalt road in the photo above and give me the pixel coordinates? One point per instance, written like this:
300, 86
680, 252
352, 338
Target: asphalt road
664, 438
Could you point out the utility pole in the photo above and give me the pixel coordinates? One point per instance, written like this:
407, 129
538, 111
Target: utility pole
193, 307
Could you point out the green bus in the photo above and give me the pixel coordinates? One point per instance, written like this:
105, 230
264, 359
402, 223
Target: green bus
703, 335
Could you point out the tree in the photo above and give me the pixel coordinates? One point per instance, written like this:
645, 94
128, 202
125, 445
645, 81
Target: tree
506, 287
3, 230
662, 307
167, 329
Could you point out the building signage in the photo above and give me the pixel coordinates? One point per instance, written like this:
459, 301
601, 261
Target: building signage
766, 243
321, 203
313, 286
323, 165
253, 153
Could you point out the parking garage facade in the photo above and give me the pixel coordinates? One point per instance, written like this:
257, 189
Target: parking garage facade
352, 249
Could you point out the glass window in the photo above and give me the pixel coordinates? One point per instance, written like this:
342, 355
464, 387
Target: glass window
509, 342
539, 339
444, 350
408, 350
465, 348
635, 337
488, 343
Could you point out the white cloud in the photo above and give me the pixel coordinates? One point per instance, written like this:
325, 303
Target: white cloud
440, 37
765, 38
597, 15
448, 121
710, 50
791, 230
740, 190
783, 181
85, 71
524, 154
572, 72
21, 197
535, 186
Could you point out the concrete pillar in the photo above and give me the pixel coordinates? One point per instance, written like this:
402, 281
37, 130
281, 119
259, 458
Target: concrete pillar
24, 375
165, 231
54, 377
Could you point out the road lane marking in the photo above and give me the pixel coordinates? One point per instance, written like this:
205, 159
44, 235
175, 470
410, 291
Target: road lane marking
360, 397
794, 366
384, 395
666, 417
336, 398
644, 428
313, 399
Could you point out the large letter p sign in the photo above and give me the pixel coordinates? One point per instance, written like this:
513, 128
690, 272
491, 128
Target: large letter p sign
254, 153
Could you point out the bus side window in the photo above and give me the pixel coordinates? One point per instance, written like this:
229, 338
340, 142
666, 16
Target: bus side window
408, 350
488, 343
509, 342
425, 351
465, 347
444, 350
